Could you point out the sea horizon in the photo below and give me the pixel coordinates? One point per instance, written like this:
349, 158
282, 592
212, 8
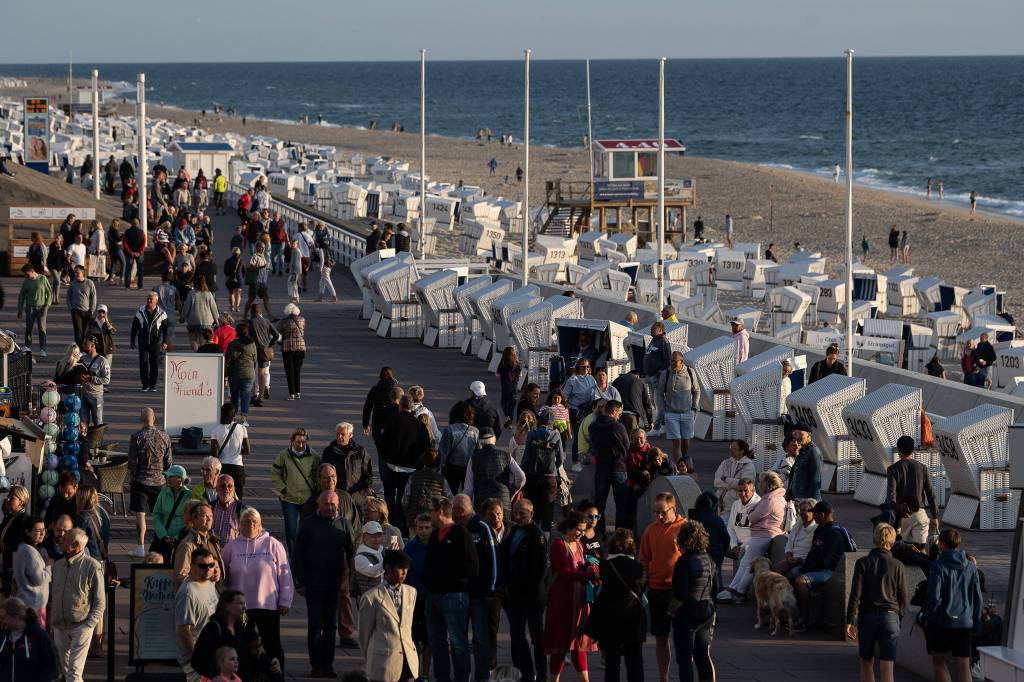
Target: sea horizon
955, 118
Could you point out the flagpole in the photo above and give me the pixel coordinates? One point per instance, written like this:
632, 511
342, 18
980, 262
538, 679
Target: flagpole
849, 211
423, 146
590, 142
661, 183
526, 170
141, 125
96, 132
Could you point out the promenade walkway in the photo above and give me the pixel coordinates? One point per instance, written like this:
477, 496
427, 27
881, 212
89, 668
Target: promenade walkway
341, 364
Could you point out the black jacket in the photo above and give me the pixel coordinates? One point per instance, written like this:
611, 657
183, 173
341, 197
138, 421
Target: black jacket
827, 548
636, 397
216, 634
617, 616
820, 370
657, 355
693, 581
522, 569
33, 657
450, 562
377, 400
485, 582
486, 415
323, 547
404, 439
208, 270
909, 478
373, 239
609, 442
355, 471
879, 584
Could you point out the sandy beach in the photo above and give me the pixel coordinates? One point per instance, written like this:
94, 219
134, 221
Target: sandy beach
945, 240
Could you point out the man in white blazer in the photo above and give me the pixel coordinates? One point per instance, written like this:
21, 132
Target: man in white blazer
385, 624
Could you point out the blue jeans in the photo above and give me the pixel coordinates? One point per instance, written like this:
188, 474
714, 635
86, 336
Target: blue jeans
881, 628
36, 317
241, 394
693, 648
614, 481
116, 256
480, 615
448, 625
92, 408
277, 258
129, 260
291, 523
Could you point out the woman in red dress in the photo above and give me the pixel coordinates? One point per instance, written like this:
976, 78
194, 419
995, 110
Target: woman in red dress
568, 609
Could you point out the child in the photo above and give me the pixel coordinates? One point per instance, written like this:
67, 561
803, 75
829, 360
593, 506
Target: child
417, 551
227, 664
560, 414
509, 371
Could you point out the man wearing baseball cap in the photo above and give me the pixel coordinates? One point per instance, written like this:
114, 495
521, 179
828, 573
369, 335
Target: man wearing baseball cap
827, 548
805, 478
486, 415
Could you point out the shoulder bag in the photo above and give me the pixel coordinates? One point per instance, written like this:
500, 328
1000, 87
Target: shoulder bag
109, 567
227, 437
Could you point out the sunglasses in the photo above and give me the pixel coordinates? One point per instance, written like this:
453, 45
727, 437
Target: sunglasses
593, 517
206, 567
226, 487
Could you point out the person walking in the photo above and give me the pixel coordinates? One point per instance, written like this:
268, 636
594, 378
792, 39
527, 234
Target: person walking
240, 367
195, 603
321, 562
542, 461
568, 610
522, 560
952, 608
102, 331
169, 513
77, 603
636, 398
909, 478
199, 312
386, 623
679, 394
149, 456
229, 443
352, 462
133, 243
482, 586
609, 447
293, 347
905, 248
424, 485
492, 474
230, 628
56, 263
509, 372
81, 300
692, 608
657, 360
458, 443
266, 336
199, 536
450, 565
659, 552
894, 244
617, 620
31, 572
578, 390
406, 438
149, 331
34, 301
878, 598
256, 564
292, 475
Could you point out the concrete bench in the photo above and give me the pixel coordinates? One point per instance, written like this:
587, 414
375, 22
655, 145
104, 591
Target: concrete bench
828, 601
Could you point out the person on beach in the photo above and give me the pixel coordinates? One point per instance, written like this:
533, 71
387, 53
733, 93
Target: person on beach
974, 201
864, 248
942, 192
769, 253
728, 230
836, 171
928, 190
493, 165
905, 248
894, 244
519, 174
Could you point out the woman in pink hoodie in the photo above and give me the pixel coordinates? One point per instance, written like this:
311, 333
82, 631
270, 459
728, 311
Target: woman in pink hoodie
767, 520
257, 565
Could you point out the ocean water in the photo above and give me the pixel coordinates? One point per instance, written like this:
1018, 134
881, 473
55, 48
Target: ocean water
956, 118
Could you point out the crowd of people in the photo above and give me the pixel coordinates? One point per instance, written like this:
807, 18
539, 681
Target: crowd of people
470, 520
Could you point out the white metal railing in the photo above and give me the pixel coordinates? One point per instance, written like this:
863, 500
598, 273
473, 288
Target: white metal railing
346, 246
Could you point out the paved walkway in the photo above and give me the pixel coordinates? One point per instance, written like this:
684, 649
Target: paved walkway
342, 362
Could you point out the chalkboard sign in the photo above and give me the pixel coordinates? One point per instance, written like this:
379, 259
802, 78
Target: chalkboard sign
151, 626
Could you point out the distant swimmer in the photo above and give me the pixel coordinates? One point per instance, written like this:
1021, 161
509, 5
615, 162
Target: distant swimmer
835, 172
929, 190
974, 201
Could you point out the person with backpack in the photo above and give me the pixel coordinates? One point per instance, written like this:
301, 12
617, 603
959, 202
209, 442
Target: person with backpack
952, 609
425, 484
542, 459
492, 473
828, 545
680, 394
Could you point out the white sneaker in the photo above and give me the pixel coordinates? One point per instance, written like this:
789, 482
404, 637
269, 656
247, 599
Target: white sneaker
724, 595
138, 551
654, 433
42, 353
577, 467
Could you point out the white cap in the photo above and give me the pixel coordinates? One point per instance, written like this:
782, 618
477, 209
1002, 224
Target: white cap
735, 320
478, 389
101, 308
372, 527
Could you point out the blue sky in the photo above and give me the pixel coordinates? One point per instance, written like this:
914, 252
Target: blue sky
361, 30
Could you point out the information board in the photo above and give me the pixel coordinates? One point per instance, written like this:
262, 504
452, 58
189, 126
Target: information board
193, 391
55, 213
151, 637
618, 190
37, 133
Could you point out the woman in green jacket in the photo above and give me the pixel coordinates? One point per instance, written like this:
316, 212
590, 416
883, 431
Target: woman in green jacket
240, 368
294, 477
168, 519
